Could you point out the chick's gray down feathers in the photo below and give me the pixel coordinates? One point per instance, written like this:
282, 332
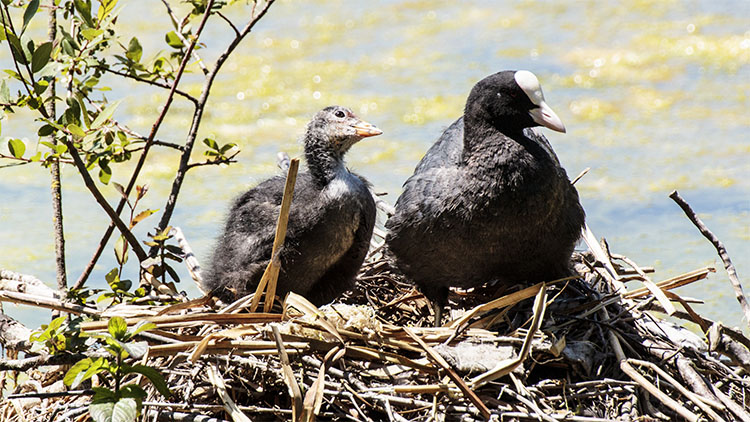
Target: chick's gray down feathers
330, 222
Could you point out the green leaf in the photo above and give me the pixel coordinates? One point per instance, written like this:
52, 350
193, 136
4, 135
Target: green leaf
103, 395
112, 277
125, 410
91, 33
45, 130
68, 47
135, 51
40, 86
133, 391
174, 249
97, 366
16, 147
211, 144
57, 323
142, 326
152, 374
75, 130
105, 115
29, 13
105, 173
74, 376
172, 273
17, 51
84, 10
173, 40
227, 147
121, 250
105, 9
82, 107
117, 327
41, 56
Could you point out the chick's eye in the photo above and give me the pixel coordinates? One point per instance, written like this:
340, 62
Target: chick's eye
340, 114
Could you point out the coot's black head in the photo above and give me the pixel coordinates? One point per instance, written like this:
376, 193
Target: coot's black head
511, 101
336, 129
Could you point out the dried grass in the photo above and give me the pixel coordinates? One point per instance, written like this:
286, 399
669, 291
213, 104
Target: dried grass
582, 353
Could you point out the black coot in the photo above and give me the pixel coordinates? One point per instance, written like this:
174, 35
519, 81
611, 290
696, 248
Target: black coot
489, 201
330, 222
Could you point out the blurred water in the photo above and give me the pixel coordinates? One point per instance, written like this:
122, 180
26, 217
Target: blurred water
655, 96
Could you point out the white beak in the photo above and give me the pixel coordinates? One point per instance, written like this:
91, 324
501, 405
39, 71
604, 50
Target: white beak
547, 118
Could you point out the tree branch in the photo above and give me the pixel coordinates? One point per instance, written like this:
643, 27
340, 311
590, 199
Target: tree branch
114, 216
133, 133
185, 42
142, 159
185, 158
28, 160
225, 160
149, 82
234, 28
720, 249
54, 168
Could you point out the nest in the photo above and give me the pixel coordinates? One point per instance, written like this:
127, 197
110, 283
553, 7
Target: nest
578, 349
584, 348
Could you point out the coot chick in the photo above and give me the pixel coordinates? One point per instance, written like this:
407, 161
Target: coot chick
330, 222
489, 200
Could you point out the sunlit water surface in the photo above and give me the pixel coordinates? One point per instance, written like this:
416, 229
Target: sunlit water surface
655, 96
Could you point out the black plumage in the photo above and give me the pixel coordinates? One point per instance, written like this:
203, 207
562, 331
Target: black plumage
489, 200
330, 222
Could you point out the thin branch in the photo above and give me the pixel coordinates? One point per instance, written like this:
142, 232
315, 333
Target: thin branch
185, 42
159, 143
133, 133
28, 160
149, 82
142, 159
56, 185
234, 28
226, 160
185, 158
733, 278
114, 216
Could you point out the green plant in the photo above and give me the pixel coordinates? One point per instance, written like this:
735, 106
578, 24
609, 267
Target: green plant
119, 402
158, 267
61, 334
59, 78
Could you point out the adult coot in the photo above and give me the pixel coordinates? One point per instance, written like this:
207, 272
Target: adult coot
330, 222
489, 201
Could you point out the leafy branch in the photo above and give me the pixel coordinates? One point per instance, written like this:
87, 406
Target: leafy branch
256, 14
142, 159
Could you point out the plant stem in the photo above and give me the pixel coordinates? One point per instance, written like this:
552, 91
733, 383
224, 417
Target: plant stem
56, 185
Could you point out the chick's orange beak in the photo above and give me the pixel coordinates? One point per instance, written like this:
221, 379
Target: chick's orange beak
365, 129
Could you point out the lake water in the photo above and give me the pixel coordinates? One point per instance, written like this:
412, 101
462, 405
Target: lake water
655, 96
